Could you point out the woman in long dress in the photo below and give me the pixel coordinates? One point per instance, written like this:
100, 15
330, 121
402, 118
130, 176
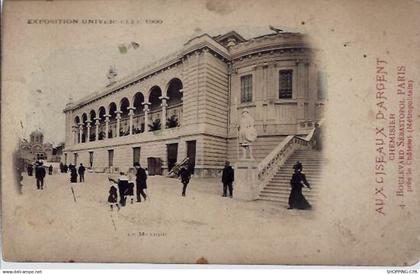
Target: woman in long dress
296, 198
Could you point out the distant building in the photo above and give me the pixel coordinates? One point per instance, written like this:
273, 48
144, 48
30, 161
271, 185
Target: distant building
189, 103
35, 148
57, 153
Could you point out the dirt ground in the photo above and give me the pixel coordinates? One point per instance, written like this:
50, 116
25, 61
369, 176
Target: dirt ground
167, 228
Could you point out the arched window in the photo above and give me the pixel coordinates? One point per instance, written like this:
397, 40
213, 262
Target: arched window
155, 107
125, 123
138, 121
101, 115
92, 116
174, 109
112, 120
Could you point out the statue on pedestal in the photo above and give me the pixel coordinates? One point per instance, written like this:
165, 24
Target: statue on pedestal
246, 134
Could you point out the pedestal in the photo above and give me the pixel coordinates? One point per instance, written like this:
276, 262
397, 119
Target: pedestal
246, 180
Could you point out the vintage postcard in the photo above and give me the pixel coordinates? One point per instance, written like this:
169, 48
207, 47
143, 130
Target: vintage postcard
211, 131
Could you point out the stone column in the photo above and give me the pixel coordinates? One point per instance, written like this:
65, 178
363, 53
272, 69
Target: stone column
118, 112
163, 116
107, 125
80, 132
300, 93
180, 110
146, 116
97, 122
74, 130
88, 131
131, 114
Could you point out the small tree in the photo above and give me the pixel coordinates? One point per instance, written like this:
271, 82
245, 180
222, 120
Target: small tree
172, 122
155, 125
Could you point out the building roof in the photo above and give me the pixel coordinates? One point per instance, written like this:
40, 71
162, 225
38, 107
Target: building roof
37, 132
218, 43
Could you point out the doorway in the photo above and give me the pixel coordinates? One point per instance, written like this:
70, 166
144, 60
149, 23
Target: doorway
172, 151
136, 155
110, 158
91, 158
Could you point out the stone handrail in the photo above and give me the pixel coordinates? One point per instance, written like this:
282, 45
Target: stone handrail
270, 164
278, 156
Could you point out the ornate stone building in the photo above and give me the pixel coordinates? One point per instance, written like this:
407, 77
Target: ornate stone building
35, 148
188, 104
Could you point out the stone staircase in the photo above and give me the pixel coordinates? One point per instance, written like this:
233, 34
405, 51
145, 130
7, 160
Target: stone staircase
278, 188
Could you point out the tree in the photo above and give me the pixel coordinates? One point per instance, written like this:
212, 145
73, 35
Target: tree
155, 125
172, 122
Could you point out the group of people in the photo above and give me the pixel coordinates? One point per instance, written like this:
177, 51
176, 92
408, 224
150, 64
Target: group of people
63, 168
123, 187
74, 171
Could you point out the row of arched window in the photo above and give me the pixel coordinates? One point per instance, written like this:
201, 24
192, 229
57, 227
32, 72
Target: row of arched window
132, 116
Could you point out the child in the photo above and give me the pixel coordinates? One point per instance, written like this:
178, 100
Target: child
113, 196
122, 187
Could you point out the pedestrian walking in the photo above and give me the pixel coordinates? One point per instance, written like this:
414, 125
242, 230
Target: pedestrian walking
141, 182
228, 176
82, 172
39, 175
73, 173
296, 198
185, 175
50, 170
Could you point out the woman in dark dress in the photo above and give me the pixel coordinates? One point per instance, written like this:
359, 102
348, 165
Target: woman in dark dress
296, 198
73, 174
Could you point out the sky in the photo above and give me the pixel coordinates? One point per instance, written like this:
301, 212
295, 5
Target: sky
57, 61
44, 64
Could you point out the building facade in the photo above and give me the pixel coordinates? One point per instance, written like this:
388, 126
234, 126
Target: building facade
188, 105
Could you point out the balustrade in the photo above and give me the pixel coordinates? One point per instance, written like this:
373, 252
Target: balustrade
128, 125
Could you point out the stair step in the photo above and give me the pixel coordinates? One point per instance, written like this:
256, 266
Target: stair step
287, 191
278, 188
284, 186
287, 177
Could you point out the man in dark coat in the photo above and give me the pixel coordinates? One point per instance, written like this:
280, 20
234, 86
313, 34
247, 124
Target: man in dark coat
296, 198
65, 168
82, 172
141, 179
185, 175
228, 176
61, 167
39, 175
50, 170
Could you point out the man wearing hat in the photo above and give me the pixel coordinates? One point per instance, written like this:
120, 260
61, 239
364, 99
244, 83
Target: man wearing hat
141, 185
39, 174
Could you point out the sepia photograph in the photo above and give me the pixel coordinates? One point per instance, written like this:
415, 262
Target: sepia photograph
210, 132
